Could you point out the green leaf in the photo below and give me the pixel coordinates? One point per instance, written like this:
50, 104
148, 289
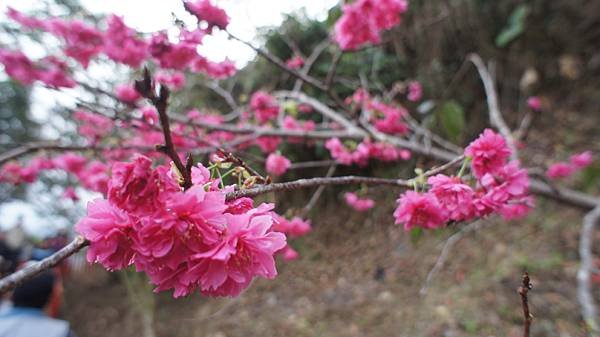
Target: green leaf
514, 27
416, 234
590, 177
333, 15
452, 118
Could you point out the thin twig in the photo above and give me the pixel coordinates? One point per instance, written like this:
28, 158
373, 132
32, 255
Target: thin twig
321, 108
310, 61
584, 291
231, 158
452, 240
523, 291
312, 182
491, 94
332, 69
302, 76
444, 167
317, 195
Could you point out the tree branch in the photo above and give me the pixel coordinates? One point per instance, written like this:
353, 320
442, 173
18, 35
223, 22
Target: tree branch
452, 240
523, 290
13, 280
312, 182
496, 118
584, 292
145, 88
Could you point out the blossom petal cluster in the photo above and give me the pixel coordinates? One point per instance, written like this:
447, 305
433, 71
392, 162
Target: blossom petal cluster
184, 240
121, 44
277, 164
363, 20
264, 106
564, 169
357, 203
364, 151
500, 187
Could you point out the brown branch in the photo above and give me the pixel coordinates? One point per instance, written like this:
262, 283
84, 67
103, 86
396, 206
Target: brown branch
281, 65
312, 182
444, 167
523, 290
310, 62
13, 280
146, 89
331, 73
231, 158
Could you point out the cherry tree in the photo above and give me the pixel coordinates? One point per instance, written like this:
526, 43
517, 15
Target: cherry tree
180, 192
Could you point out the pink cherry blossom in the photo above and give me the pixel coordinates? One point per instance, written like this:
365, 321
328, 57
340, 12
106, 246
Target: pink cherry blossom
268, 144
264, 106
454, 195
54, 73
338, 151
560, 170
415, 91
288, 253
488, 153
69, 193
121, 43
392, 122
295, 62
24, 20
246, 251
277, 164
18, 66
206, 12
93, 126
108, 230
175, 80
517, 209
295, 227
363, 20
127, 93
358, 204
82, 41
136, 187
582, 160
70, 162
420, 210
534, 103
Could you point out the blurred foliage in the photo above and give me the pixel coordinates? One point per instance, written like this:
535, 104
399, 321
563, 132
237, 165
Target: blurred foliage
16, 125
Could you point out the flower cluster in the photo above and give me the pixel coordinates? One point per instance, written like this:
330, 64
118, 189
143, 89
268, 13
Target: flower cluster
184, 240
363, 20
576, 163
92, 175
357, 203
501, 187
277, 164
364, 151
386, 118
293, 228
119, 43
264, 106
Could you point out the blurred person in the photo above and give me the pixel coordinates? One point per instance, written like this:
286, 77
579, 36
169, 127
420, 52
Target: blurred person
27, 317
